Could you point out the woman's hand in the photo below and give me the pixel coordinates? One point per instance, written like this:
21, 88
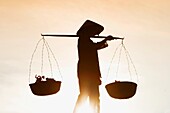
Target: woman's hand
108, 38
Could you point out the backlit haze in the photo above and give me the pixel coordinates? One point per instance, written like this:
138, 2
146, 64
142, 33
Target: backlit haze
145, 24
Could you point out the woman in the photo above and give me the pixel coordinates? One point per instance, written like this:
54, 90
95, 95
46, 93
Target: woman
88, 65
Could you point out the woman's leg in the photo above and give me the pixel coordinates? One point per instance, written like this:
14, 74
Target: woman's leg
94, 98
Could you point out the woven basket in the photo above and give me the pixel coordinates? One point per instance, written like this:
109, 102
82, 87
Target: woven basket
121, 90
43, 88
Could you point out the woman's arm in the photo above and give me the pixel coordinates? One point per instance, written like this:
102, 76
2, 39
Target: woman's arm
103, 43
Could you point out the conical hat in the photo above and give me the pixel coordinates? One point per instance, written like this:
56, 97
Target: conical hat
90, 28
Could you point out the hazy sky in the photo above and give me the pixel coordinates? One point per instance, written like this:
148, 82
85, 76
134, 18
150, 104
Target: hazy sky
145, 24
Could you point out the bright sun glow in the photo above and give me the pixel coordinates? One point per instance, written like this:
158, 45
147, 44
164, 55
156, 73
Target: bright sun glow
85, 108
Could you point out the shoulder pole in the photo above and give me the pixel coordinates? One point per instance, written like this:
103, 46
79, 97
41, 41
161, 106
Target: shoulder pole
57, 35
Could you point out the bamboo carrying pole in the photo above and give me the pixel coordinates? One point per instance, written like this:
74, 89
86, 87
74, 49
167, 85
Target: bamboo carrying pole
56, 35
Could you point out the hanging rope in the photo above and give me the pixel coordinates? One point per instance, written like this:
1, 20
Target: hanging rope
48, 53
50, 50
114, 54
44, 45
30, 66
42, 56
128, 58
118, 64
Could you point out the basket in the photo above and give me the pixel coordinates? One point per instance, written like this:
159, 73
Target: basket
43, 88
121, 90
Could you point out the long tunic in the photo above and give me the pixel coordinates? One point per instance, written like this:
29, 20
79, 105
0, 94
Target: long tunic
88, 64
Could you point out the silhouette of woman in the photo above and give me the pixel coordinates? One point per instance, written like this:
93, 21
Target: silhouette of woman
88, 65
